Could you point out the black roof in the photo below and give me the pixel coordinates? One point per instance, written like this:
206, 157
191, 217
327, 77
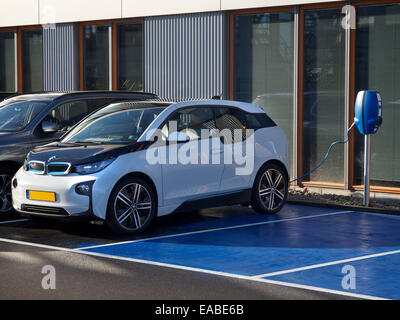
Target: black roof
51, 96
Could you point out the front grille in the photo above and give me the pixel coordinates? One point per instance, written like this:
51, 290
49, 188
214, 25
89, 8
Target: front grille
58, 168
37, 167
44, 210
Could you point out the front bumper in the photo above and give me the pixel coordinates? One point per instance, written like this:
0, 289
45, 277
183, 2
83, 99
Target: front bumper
68, 204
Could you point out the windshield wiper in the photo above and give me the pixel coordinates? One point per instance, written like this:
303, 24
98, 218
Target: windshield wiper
82, 142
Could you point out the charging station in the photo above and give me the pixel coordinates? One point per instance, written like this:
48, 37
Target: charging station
368, 119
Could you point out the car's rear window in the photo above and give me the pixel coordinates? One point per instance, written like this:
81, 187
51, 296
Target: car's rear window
258, 120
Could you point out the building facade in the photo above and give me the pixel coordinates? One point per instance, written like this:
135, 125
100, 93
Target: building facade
302, 61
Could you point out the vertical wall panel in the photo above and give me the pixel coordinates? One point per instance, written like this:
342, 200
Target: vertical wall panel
59, 58
184, 56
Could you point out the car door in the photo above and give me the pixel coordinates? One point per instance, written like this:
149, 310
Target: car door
65, 116
188, 175
238, 148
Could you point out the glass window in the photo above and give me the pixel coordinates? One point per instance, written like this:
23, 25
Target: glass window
233, 120
68, 114
323, 96
7, 62
130, 57
192, 121
32, 60
16, 116
258, 120
264, 64
378, 68
96, 57
115, 126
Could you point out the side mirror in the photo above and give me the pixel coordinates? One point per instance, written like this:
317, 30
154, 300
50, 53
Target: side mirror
368, 112
49, 127
178, 137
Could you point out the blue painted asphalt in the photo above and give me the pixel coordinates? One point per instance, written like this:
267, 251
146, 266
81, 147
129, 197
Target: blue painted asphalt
379, 277
306, 237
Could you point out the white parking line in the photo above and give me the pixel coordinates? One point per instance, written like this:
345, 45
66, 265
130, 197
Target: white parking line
179, 267
321, 265
13, 221
214, 229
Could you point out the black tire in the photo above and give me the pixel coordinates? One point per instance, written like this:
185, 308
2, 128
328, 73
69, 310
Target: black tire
270, 189
6, 175
122, 201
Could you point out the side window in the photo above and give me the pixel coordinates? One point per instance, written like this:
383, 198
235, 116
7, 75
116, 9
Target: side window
68, 114
95, 104
232, 122
192, 121
258, 120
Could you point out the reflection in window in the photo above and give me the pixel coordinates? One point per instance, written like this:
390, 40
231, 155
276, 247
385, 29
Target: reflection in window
192, 121
378, 68
130, 56
263, 65
7, 62
16, 116
323, 96
96, 57
68, 114
32, 60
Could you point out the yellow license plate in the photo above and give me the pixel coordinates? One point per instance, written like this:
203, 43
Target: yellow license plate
41, 195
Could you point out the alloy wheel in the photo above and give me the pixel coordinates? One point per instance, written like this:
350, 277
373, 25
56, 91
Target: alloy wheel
132, 206
272, 189
5, 193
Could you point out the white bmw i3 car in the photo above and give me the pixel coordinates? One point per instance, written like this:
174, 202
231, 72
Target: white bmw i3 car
130, 162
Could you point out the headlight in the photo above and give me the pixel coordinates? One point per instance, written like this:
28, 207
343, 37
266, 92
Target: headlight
93, 167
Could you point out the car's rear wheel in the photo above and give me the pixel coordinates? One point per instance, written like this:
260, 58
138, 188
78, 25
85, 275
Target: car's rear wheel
131, 207
270, 189
5, 190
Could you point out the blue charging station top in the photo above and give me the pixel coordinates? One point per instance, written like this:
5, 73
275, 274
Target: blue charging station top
368, 112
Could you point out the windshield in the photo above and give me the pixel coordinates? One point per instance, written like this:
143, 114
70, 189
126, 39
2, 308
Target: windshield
16, 116
114, 126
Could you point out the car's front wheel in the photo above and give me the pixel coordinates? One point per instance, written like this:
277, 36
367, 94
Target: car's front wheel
270, 189
5, 190
131, 207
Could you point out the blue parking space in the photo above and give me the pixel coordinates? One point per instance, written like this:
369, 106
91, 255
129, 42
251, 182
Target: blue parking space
231, 217
298, 237
379, 277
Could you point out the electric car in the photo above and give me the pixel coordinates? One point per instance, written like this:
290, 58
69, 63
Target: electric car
130, 162
30, 120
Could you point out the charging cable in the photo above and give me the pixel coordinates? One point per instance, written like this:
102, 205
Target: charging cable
327, 154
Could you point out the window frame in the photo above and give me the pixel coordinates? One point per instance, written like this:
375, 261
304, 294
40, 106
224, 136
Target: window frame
14, 30
115, 49
82, 56
20, 76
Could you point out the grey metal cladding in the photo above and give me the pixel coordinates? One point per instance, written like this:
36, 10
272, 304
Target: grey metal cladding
60, 60
184, 55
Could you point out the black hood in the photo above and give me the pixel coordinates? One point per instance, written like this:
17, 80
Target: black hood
80, 154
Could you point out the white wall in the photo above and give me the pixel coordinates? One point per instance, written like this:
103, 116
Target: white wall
21, 12
247, 4
29, 12
136, 8
78, 10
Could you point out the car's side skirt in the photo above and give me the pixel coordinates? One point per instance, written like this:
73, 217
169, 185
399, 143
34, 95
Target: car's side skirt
219, 200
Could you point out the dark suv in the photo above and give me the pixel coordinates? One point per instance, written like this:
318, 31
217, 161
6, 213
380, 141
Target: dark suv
29, 120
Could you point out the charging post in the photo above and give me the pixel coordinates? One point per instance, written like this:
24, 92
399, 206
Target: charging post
367, 160
368, 119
